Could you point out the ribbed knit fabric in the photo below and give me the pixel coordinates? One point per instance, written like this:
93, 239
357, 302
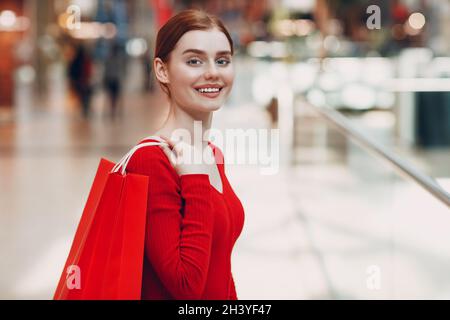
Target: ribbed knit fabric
191, 230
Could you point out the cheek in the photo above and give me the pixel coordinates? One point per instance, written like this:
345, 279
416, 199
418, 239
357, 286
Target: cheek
184, 76
228, 77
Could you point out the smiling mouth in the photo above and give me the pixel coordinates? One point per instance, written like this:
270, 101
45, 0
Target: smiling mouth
209, 92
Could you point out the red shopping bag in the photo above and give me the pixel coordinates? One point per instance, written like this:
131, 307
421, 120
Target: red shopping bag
106, 257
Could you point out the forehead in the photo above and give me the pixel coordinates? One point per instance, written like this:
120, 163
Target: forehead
210, 41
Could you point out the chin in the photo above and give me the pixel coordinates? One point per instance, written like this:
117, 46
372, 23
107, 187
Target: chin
210, 105
213, 107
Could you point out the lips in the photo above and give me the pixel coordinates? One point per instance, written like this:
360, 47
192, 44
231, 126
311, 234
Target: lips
209, 91
208, 86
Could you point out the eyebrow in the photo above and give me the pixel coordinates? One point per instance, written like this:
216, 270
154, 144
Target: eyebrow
204, 53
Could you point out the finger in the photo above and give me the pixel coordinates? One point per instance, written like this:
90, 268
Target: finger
175, 145
168, 141
182, 149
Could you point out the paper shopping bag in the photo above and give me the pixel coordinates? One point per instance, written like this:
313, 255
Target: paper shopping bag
106, 257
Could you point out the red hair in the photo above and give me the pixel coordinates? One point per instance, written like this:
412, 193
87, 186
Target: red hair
177, 26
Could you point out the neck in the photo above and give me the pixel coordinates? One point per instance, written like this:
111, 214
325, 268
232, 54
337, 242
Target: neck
179, 118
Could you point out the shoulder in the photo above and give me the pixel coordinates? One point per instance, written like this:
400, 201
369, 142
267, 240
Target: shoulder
150, 160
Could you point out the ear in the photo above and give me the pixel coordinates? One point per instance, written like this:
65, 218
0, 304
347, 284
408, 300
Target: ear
160, 71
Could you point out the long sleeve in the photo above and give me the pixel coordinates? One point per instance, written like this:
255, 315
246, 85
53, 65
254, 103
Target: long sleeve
178, 242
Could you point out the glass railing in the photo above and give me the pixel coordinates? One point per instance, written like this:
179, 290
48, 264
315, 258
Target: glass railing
362, 224
349, 215
403, 103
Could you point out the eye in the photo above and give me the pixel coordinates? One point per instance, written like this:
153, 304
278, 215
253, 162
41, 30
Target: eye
224, 61
193, 61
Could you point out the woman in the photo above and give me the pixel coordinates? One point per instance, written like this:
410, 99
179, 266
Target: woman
193, 215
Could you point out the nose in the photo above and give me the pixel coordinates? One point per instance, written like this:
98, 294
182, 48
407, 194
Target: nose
212, 71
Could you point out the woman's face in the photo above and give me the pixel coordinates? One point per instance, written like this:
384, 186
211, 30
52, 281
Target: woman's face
200, 70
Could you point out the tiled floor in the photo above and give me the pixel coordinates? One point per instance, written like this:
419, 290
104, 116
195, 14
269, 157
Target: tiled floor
337, 224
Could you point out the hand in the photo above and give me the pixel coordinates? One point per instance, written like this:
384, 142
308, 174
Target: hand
186, 158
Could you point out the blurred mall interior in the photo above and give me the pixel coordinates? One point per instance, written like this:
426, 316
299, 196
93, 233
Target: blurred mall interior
360, 91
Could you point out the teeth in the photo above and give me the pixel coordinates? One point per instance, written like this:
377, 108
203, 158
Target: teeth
208, 90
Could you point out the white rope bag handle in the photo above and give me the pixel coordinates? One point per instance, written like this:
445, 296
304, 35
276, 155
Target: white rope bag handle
126, 158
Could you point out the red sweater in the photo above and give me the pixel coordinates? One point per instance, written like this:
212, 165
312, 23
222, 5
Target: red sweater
191, 230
